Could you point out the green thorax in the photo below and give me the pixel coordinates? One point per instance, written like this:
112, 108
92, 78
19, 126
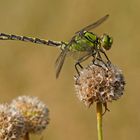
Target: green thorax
86, 41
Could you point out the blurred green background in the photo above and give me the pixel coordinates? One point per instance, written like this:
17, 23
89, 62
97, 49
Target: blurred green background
28, 69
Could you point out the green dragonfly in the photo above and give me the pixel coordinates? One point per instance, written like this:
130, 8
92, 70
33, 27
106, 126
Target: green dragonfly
82, 45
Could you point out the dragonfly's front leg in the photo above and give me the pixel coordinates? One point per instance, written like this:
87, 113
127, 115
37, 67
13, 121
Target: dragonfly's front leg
97, 56
103, 52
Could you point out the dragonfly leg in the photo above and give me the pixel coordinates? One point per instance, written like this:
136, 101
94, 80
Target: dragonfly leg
93, 61
80, 60
99, 58
78, 64
108, 61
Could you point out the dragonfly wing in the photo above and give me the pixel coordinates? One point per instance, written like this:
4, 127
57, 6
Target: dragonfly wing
94, 25
59, 62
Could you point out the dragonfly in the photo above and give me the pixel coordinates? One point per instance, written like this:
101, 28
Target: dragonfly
82, 45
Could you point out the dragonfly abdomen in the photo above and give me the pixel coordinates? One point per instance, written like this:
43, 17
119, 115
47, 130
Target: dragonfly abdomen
4, 36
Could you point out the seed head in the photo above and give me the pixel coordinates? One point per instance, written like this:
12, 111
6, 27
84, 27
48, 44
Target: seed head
34, 112
12, 126
99, 83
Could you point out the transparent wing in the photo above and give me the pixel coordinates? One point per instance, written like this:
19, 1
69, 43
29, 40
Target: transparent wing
94, 25
59, 62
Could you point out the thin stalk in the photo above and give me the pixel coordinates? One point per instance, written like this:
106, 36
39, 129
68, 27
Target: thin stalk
99, 120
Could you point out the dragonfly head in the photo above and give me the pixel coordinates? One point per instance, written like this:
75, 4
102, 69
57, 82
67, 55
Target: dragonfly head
106, 41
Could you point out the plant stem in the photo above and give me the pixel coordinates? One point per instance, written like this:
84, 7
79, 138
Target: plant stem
26, 137
99, 120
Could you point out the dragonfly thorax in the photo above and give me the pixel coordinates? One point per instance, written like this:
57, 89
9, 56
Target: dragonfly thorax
86, 41
90, 36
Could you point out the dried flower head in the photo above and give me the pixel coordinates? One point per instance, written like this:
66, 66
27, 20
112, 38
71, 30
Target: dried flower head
12, 126
99, 83
34, 112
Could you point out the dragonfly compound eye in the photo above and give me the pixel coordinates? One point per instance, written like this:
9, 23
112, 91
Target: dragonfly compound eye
106, 41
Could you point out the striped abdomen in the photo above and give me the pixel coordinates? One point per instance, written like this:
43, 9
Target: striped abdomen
4, 36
